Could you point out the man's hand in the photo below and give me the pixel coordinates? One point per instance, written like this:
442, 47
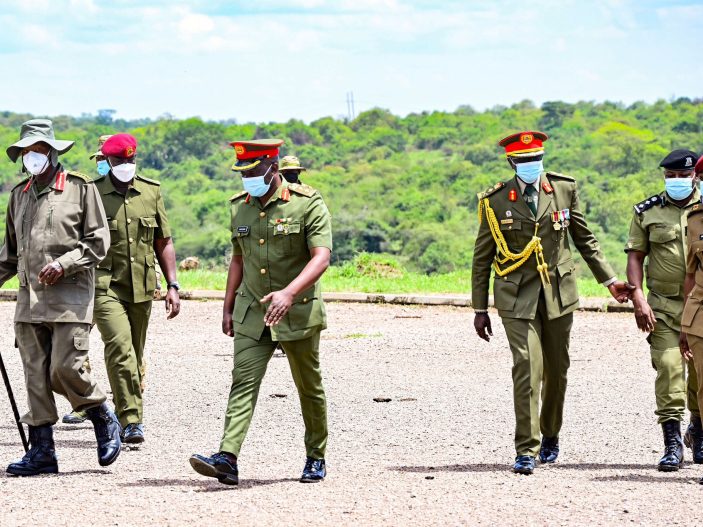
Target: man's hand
482, 325
621, 291
51, 273
279, 304
683, 347
172, 303
644, 316
227, 325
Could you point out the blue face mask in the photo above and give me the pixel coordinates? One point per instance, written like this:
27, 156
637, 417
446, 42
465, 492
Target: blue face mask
103, 167
679, 187
529, 172
256, 186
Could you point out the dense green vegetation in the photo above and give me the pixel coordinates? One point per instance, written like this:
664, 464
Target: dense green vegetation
405, 186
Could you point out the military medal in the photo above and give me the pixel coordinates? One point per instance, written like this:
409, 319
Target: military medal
557, 226
279, 227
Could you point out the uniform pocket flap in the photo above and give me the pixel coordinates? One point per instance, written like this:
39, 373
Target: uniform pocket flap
284, 229
241, 306
106, 264
662, 235
514, 278
664, 288
149, 222
689, 312
81, 343
306, 296
566, 267
112, 225
510, 225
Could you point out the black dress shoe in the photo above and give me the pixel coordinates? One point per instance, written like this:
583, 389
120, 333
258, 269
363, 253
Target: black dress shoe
524, 465
133, 433
314, 471
107, 433
41, 457
549, 451
217, 466
672, 460
693, 439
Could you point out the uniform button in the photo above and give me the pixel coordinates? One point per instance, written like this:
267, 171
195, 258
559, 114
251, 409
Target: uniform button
263, 271
262, 214
262, 241
129, 220
126, 202
131, 240
131, 258
305, 300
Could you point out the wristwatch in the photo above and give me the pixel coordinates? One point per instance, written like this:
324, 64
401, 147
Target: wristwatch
174, 285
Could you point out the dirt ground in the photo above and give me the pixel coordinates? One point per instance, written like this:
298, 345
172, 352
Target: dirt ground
438, 453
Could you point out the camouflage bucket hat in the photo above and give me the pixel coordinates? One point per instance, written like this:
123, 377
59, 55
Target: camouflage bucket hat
37, 131
290, 163
101, 142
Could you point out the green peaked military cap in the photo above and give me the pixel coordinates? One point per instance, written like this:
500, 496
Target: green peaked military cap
251, 153
37, 131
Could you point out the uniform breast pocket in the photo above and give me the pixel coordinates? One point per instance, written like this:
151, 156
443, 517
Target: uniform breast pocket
243, 238
286, 236
662, 234
511, 231
147, 225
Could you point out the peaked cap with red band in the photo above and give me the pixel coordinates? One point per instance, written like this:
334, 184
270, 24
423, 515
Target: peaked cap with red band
120, 145
698, 169
524, 144
251, 153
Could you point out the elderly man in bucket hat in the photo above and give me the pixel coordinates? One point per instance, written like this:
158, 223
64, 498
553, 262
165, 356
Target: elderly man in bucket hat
56, 233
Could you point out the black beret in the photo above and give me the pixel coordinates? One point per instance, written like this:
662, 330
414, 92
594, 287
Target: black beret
679, 160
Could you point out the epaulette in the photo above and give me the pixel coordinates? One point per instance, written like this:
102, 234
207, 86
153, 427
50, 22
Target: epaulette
300, 188
147, 180
560, 176
491, 190
79, 175
648, 203
21, 183
238, 195
697, 208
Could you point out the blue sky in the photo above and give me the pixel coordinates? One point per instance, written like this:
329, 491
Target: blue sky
273, 60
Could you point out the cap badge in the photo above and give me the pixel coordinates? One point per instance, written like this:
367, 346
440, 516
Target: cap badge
129, 151
689, 161
526, 138
239, 150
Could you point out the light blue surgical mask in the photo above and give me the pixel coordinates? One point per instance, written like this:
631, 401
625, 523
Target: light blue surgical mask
256, 186
529, 172
679, 187
103, 167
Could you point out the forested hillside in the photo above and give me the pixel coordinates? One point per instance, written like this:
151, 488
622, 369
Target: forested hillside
400, 185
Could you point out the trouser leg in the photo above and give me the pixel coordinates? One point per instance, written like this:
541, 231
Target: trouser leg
556, 334
692, 390
34, 343
670, 384
251, 358
525, 337
139, 314
695, 343
304, 360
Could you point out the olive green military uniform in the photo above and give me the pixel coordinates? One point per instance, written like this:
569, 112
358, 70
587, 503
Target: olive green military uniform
124, 287
275, 241
692, 317
658, 229
537, 318
65, 222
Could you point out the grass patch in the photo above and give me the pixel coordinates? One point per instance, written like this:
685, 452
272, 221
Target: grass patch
362, 336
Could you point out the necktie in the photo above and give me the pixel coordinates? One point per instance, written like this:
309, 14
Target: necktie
531, 198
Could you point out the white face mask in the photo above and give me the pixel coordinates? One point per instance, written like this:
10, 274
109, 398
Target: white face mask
124, 172
35, 163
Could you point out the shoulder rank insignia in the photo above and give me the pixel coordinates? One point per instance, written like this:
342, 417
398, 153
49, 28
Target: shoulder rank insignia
560, 176
152, 181
300, 188
491, 190
647, 204
238, 195
79, 175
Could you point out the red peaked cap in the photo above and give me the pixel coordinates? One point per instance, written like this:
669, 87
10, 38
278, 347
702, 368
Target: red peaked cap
699, 166
524, 144
120, 145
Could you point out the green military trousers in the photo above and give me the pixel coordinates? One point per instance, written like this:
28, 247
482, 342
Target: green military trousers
251, 357
123, 327
54, 355
540, 350
671, 388
695, 343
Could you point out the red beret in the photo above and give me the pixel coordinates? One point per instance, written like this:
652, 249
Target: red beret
120, 145
699, 166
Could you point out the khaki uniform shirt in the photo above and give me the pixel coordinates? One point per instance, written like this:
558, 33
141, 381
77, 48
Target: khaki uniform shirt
275, 241
135, 220
64, 222
692, 318
658, 229
517, 294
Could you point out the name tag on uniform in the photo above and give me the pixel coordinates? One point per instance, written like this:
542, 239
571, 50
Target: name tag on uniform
506, 222
243, 230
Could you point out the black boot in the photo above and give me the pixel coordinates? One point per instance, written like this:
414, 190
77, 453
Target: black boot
673, 447
107, 432
693, 439
41, 457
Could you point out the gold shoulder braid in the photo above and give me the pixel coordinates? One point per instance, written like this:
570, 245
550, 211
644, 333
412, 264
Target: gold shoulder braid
504, 254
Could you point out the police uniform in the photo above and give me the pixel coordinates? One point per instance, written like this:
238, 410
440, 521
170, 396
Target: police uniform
534, 288
274, 241
658, 230
64, 223
125, 282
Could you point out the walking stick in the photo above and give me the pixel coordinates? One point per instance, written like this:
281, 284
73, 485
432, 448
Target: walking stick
13, 404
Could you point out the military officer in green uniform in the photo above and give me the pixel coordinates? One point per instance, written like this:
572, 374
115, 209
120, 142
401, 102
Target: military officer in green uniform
125, 279
282, 241
290, 169
658, 234
524, 238
77, 417
55, 234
